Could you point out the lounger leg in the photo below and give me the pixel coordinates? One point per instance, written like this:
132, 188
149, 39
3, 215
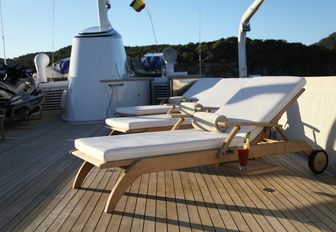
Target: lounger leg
125, 180
82, 173
111, 133
178, 124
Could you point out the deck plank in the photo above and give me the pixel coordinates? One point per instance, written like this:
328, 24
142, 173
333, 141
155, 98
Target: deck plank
283, 205
140, 208
172, 218
99, 220
239, 202
192, 209
218, 202
248, 203
182, 213
161, 204
258, 203
92, 200
115, 219
221, 186
128, 214
202, 209
267, 203
73, 209
291, 202
149, 223
209, 202
36, 191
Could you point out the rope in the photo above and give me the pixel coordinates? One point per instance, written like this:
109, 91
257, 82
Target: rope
153, 29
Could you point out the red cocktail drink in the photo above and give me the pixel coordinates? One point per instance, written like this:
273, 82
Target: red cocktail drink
243, 156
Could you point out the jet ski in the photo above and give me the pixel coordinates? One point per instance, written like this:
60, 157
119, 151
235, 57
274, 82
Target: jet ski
19, 96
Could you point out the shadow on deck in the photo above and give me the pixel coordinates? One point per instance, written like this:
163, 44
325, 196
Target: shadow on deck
36, 194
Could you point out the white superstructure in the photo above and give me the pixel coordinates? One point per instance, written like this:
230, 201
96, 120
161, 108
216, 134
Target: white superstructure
98, 54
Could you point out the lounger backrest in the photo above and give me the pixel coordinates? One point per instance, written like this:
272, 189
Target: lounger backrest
261, 99
201, 87
221, 92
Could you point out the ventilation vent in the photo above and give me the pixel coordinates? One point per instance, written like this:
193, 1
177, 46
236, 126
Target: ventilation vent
53, 99
160, 92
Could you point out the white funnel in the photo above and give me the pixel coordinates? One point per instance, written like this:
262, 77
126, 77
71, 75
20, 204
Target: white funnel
41, 61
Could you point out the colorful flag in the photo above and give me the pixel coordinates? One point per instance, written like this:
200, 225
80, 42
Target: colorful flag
138, 5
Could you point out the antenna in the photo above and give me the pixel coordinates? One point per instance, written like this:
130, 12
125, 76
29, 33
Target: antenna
53, 33
3, 35
199, 42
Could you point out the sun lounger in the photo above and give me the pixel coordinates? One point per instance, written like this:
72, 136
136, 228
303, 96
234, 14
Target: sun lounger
195, 92
215, 97
256, 107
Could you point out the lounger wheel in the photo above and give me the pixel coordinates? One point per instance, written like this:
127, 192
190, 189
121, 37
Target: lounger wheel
318, 161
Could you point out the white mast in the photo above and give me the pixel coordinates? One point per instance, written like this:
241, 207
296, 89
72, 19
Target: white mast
243, 28
3, 35
104, 23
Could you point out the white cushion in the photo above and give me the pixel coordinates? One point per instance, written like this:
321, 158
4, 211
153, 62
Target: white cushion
130, 146
142, 122
201, 88
144, 110
261, 99
222, 91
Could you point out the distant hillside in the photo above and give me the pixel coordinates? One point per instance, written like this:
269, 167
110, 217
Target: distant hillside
28, 59
220, 58
329, 42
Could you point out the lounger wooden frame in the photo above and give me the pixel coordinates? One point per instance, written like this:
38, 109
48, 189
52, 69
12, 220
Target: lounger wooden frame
116, 131
134, 168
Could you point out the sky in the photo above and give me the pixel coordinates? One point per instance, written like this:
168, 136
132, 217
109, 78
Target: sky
28, 24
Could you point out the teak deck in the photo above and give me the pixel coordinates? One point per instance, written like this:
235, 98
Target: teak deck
36, 191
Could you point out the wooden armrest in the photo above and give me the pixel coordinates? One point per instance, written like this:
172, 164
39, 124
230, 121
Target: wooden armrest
258, 124
179, 116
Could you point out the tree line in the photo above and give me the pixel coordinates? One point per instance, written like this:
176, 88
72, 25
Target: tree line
220, 57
